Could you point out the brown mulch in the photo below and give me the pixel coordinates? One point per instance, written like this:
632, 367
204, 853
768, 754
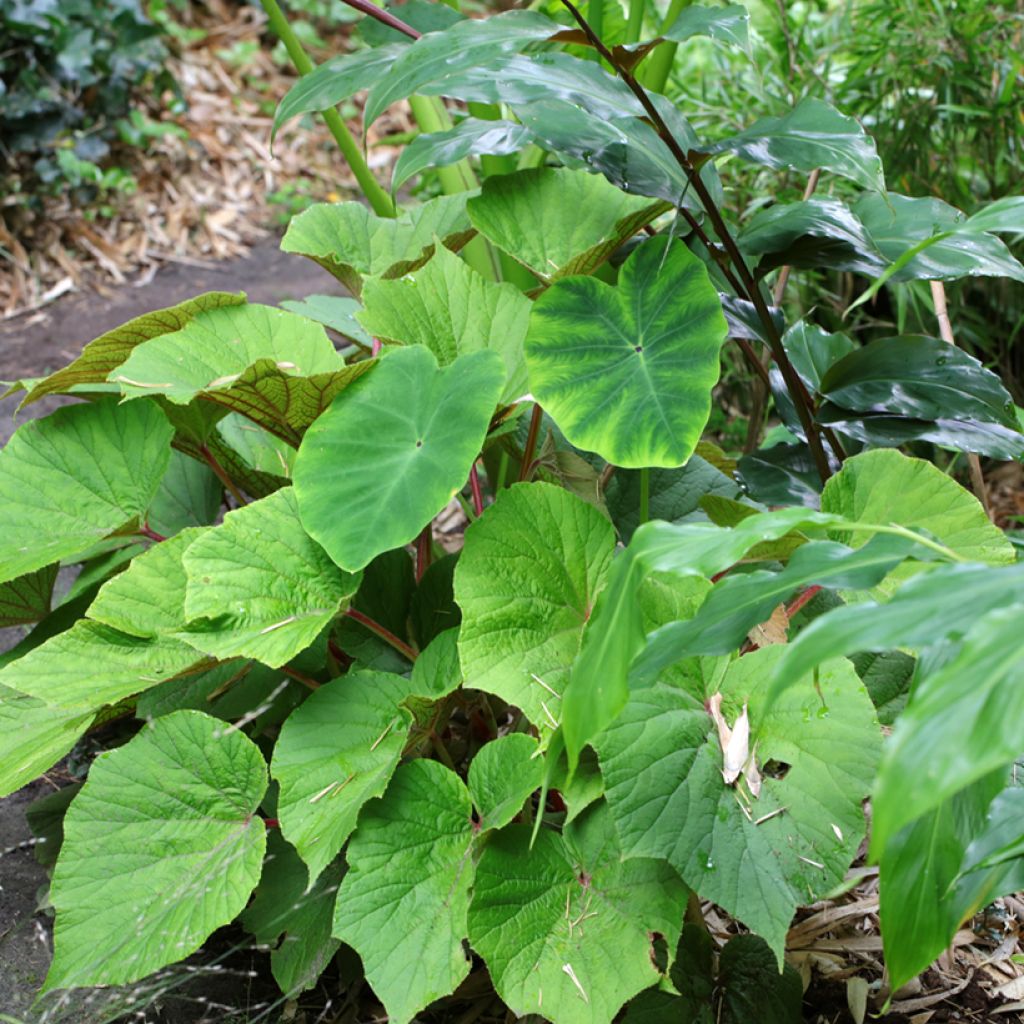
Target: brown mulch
200, 199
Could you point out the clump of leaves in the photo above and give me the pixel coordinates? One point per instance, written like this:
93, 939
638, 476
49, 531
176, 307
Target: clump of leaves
522, 759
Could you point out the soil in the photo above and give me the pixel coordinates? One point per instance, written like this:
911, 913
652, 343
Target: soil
30, 346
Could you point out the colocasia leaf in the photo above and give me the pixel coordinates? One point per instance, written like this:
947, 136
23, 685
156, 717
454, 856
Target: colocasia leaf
403, 903
627, 372
566, 928
335, 752
526, 583
758, 858
69, 480
161, 847
407, 435
558, 222
259, 586
351, 242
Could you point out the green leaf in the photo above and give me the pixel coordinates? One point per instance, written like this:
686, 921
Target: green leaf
919, 614
174, 868
887, 676
1002, 838
526, 582
433, 609
295, 922
565, 928
1005, 215
752, 987
259, 586
886, 486
813, 134
898, 223
627, 372
34, 735
502, 775
189, 495
916, 376
104, 355
256, 460
92, 664
352, 243
584, 788
447, 307
471, 137
782, 474
335, 311
558, 222
69, 480
402, 906
598, 686
335, 81
960, 724
26, 599
335, 752
662, 765
467, 44
407, 435
923, 901
728, 24
673, 494
423, 15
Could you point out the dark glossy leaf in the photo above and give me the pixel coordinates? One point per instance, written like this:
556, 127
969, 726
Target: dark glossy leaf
813, 134
752, 987
784, 474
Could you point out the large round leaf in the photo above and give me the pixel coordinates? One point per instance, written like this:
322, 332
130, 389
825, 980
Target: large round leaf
393, 450
161, 847
627, 372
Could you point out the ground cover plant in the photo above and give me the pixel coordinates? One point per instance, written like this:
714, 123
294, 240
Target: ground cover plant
651, 675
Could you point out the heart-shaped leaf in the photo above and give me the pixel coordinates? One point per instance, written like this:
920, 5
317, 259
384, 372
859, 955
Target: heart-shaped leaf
627, 372
404, 437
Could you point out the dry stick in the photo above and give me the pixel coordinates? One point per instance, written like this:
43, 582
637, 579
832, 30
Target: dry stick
946, 333
801, 399
759, 394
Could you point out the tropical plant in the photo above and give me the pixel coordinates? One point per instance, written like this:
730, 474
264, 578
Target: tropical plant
527, 758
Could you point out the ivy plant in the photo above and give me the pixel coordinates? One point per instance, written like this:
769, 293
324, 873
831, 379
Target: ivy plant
639, 675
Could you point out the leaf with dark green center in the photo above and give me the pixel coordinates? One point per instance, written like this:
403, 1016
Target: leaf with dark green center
970, 710
335, 752
407, 435
502, 775
558, 222
813, 134
34, 735
334, 81
886, 486
447, 307
352, 243
471, 137
69, 480
467, 44
26, 599
259, 586
526, 581
565, 928
662, 765
627, 372
898, 223
335, 311
296, 923
104, 355
170, 819
402, 906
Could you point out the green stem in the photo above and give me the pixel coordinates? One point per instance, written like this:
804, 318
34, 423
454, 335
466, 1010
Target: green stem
372, 190
635, 24
645, 495
654, 74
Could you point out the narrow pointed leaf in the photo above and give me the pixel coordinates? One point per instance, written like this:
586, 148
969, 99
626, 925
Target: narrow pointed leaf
259, 586
69, 480
526, 582
173, 869
335, 752
402, 906
627, 372
406, 435
558, 222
